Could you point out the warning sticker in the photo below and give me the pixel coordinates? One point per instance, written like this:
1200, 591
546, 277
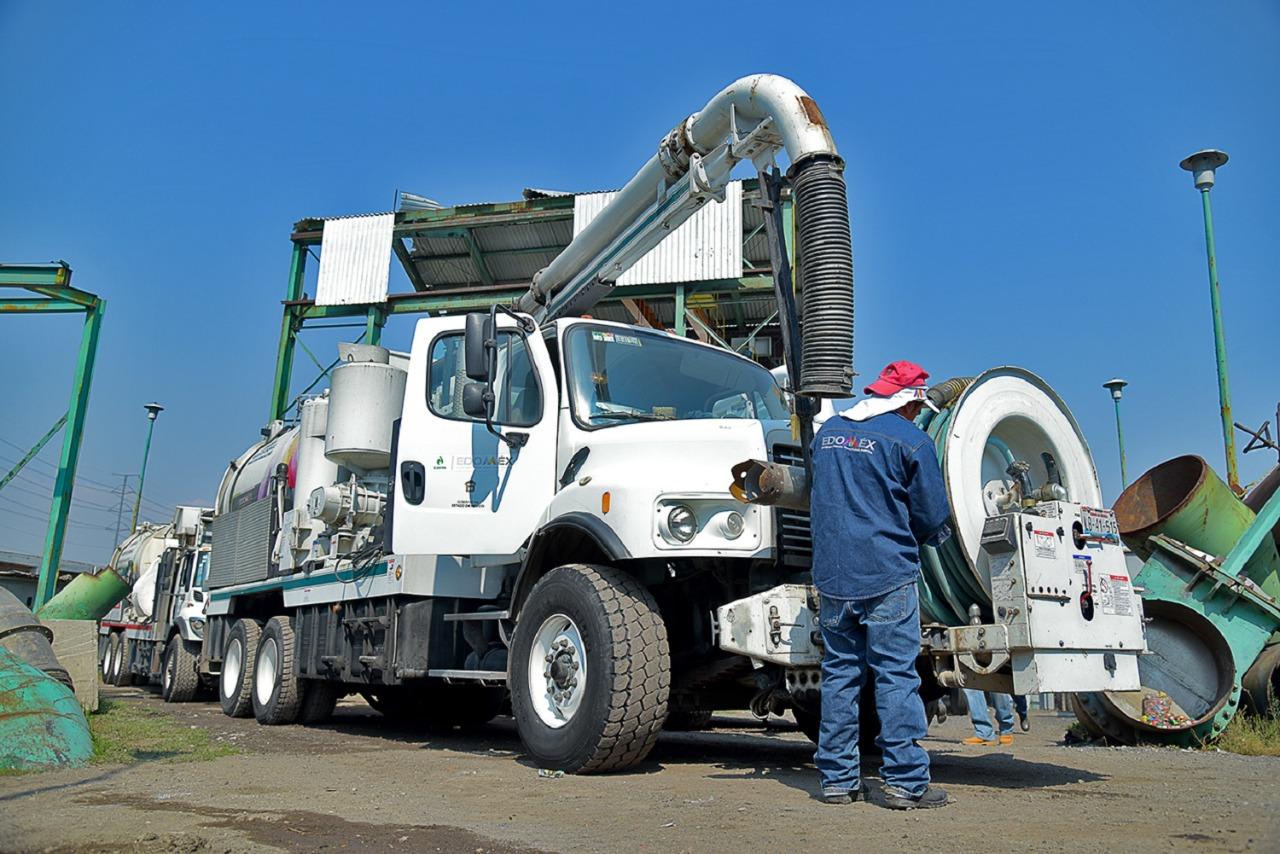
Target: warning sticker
1046, 544
1115, 593
615, 338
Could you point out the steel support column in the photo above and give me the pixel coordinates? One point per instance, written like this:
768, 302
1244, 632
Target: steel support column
289, 327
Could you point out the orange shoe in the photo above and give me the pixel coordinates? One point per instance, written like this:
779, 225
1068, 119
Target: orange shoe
973, 739
1006, 739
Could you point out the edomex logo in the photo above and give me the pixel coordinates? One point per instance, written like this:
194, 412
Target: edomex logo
850, 443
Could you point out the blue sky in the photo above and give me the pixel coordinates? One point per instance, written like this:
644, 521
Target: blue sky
1013, 184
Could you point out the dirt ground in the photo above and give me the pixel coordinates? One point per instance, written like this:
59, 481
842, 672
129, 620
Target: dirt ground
359, 784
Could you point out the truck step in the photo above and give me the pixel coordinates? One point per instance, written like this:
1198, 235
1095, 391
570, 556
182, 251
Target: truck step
477, 615
488, 677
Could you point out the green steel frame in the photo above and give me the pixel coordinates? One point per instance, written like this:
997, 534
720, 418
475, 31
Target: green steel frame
52, 285
458, 223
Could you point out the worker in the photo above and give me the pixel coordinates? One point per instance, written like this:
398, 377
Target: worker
983, 731
877, 497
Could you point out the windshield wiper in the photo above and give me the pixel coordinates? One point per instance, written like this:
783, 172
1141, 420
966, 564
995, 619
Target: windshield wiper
638, 416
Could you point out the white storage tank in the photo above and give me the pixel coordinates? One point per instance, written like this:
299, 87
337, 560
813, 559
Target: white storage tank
366, 394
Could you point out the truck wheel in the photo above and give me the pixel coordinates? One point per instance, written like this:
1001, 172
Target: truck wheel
318, 702
120, 673
235, 686
179, 681
591, 670
277, 690
109, 657
688, 720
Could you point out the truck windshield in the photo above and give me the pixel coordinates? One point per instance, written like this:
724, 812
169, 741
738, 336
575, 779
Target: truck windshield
619, 376
202, 569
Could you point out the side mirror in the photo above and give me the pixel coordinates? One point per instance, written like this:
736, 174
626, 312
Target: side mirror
476, 360
473, 394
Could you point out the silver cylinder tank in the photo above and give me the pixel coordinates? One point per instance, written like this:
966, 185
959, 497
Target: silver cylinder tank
314, 469
366, 394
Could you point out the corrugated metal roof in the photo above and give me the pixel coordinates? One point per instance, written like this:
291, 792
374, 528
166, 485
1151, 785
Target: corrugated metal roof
355, 260
708, 245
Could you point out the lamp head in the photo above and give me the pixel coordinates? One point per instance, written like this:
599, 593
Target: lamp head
1202, 165
1116, 386
153, 409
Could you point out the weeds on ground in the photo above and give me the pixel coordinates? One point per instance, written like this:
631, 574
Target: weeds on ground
1252, 735
127, 732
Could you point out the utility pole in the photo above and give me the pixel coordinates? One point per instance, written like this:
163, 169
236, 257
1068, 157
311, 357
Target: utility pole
153, 409
124, 488
1203, 165
1116, 387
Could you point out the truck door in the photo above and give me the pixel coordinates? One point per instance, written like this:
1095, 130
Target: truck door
460, 489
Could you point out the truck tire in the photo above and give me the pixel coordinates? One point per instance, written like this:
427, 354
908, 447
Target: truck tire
235, 685
591, 670
109, 657
179, 680
277, 690
121, 675
318, 702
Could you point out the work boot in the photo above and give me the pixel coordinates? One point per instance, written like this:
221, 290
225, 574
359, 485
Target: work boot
931, 798
1024, 721
836, 797
975, 740
1006, 739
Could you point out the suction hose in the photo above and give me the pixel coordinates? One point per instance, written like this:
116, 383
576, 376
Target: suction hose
825, 253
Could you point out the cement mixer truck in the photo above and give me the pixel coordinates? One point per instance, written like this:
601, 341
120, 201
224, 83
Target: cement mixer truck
154, 634
536, 506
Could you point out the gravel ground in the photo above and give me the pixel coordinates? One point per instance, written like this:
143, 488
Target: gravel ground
358, 784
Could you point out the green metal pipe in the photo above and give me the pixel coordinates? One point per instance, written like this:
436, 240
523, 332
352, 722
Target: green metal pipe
41, 722
87, 597
142, 475
1220, 347
64, 483
1124, 470
1184, 499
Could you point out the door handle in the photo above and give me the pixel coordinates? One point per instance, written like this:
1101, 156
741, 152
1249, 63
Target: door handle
413, 481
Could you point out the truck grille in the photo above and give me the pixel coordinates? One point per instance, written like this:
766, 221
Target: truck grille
795, 541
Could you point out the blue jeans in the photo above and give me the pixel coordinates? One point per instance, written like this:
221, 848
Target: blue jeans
881, 635
981, 720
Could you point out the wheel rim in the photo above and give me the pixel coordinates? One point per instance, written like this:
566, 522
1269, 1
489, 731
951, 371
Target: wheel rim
264, 672
557, 670
170, 661
232, 662
117, 653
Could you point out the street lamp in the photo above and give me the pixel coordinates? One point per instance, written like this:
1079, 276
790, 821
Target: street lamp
1116, 387
1203, 165
153, 409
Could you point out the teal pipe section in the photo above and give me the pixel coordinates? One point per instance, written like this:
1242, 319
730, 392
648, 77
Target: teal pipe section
41, 723
87, 597
1220, 346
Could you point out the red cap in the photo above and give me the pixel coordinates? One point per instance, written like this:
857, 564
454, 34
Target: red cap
896, 376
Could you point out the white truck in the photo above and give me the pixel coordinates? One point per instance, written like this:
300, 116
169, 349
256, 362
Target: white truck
154, 634
535, 506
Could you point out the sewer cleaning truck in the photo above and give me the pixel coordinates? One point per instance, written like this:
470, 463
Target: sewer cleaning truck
154, 634
536, 507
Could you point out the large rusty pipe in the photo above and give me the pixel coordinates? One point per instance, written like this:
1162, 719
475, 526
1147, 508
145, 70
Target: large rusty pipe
770, 484
87, 597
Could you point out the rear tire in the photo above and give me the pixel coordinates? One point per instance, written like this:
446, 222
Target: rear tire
109, 657
180, 681
235, 685
600, 627
120, 673
277, 690
318, 702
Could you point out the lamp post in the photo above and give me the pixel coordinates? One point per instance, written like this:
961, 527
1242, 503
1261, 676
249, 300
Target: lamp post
1116, 387
153, 409
1203, 165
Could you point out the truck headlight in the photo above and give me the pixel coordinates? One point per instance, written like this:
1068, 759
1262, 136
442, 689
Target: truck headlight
682, 524
197, 625
732, 525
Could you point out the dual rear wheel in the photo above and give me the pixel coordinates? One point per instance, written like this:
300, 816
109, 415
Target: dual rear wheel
260, 677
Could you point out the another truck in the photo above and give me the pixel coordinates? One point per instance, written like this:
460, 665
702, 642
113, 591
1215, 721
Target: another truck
534, 506
154, 635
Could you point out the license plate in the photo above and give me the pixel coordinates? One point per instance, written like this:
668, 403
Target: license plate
1099, 525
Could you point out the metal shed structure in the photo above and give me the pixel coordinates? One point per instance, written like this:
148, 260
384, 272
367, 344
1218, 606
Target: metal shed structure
711, 278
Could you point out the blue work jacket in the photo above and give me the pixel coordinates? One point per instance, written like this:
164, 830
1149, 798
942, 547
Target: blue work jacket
877, 497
